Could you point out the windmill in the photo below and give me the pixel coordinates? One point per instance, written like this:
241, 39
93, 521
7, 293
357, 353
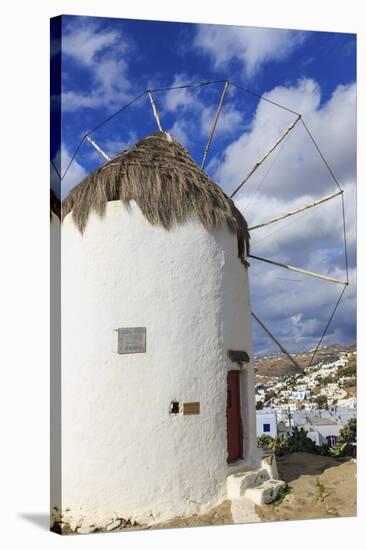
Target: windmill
187, 391
281, 139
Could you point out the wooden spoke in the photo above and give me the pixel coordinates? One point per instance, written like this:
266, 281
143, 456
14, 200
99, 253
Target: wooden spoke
100, 151
284, 350
214, 124
277, 219
155, 111
257, 165
292, 268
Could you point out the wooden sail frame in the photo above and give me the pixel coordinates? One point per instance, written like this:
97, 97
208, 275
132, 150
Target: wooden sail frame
155, 111
218, 111
277, 342
299, 270
96, 146
266, 155
293, 212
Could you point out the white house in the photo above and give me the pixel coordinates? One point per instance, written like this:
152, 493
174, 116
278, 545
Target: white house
323, 426
300, 395
350, 402
157, 402
322, 430
267, 422
343, 414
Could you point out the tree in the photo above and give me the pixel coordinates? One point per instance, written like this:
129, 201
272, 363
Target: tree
347, 439
348, 434
322, 401
259, 405
269, 395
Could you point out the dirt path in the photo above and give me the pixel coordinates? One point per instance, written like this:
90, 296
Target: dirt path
320, 486
220, 515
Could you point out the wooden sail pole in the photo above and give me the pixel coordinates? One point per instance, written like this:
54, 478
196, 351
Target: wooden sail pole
257, 165
96, 146
155, 111
284, 350
319, 201
214, 124
304, 271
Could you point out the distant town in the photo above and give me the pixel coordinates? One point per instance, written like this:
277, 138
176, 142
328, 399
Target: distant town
320, 398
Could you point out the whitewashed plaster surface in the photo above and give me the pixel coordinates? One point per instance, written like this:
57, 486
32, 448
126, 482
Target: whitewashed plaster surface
123, 454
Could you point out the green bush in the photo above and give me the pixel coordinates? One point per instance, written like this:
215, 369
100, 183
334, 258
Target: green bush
300, 442
348, 434
325, 449
297, 442
347, 440
282, 494
264, 440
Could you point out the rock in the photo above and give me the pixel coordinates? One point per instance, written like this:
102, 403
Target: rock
265, 493
114, 525
85, 529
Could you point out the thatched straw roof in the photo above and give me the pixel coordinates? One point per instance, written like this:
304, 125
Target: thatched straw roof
165, 182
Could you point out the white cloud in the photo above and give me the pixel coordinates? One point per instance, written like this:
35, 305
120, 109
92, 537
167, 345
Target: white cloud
84, 41
296, 308
73, 100
253, 47
102, 54
179, 131
109, 76
193, 113
228, 122
298, 169
312, 239
116, 146
181, 98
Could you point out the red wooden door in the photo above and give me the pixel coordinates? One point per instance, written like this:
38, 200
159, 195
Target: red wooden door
234, 427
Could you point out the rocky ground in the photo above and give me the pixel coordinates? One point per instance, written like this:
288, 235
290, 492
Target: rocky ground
320, 487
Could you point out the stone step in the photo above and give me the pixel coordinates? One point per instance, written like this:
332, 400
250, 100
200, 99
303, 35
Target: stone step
266, 492
237, 484
243, 511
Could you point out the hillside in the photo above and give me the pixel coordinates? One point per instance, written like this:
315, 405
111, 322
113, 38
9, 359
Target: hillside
280, 365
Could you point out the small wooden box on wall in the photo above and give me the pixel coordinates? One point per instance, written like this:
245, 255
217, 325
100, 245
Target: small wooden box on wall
238, 356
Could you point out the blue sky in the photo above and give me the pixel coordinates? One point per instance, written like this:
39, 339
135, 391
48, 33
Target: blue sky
108, 62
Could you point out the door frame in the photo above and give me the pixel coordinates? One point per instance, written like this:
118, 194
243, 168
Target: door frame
239, 413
